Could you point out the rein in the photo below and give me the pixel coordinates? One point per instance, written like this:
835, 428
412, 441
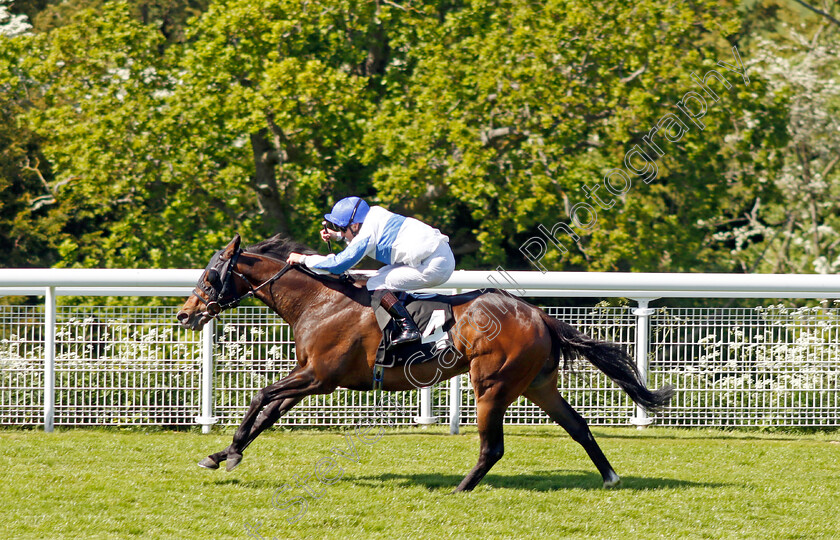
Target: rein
213, 304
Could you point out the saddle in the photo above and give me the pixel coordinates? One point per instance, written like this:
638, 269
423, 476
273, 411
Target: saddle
432, 313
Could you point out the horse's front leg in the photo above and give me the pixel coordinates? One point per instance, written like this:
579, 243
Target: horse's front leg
268, 405
266, 418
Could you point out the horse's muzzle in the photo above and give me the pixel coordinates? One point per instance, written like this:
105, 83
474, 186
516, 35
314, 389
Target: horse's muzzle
192, 320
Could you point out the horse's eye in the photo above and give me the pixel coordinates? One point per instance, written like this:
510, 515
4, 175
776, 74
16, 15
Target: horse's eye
212, 275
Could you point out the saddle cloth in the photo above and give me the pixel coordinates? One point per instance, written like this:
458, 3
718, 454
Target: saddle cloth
433, 315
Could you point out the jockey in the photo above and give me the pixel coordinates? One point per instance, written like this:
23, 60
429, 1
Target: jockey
416, 256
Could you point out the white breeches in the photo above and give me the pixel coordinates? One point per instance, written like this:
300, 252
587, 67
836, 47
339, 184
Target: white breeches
433, 270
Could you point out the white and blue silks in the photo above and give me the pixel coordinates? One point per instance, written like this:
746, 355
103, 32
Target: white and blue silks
416, 255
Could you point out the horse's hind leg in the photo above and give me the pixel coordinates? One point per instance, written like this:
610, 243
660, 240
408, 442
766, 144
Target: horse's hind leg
548, 398
491, 416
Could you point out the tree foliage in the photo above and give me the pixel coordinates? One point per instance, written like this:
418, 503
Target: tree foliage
798, 231
147, 132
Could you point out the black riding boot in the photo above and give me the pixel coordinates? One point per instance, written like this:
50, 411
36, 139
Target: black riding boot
397, 311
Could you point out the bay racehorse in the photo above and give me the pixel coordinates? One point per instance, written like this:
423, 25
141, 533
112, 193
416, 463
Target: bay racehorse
336, 337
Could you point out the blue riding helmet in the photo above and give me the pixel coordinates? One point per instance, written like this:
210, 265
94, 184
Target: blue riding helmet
348, 211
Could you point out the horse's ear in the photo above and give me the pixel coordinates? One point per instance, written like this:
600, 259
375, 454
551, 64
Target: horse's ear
232, 247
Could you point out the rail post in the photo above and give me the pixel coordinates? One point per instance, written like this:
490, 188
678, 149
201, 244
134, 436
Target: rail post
425, 417
454, 405
206, 420
49, 359
641, 419
455, 397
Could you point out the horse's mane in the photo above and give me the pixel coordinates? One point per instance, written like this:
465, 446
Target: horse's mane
279, 246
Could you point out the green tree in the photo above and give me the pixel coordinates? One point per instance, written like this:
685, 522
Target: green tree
154, 141
253, 124
513, 107
65, 112
29, 221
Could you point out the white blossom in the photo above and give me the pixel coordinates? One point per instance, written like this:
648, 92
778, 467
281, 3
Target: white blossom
801, 234
12, 25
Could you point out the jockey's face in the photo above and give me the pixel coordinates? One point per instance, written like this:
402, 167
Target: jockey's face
351, 231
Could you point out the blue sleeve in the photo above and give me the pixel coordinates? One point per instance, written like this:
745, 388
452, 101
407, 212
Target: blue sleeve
347, 259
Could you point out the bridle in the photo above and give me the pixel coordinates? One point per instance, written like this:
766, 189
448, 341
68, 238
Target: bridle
217, 283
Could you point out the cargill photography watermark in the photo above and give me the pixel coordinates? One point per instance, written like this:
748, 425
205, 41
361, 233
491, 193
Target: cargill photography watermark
293, 499
639, 162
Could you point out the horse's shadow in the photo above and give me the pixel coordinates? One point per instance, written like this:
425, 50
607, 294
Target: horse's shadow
537, 481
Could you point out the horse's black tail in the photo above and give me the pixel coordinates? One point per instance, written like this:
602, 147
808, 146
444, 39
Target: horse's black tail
611, 360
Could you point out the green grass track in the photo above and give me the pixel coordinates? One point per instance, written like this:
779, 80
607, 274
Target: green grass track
676, 484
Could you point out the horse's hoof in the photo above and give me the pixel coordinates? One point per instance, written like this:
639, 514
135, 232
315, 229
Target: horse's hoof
612, 482
208, 463
232, 462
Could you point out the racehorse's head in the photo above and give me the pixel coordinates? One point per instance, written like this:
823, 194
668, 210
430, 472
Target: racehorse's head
220, 287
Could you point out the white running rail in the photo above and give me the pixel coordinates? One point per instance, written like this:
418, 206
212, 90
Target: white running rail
642, 288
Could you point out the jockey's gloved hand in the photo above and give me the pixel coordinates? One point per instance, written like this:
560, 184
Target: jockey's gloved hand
327, 234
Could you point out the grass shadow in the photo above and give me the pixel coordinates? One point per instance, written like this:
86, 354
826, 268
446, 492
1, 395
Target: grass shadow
271, 484
539, 481
547, 431
701, 435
